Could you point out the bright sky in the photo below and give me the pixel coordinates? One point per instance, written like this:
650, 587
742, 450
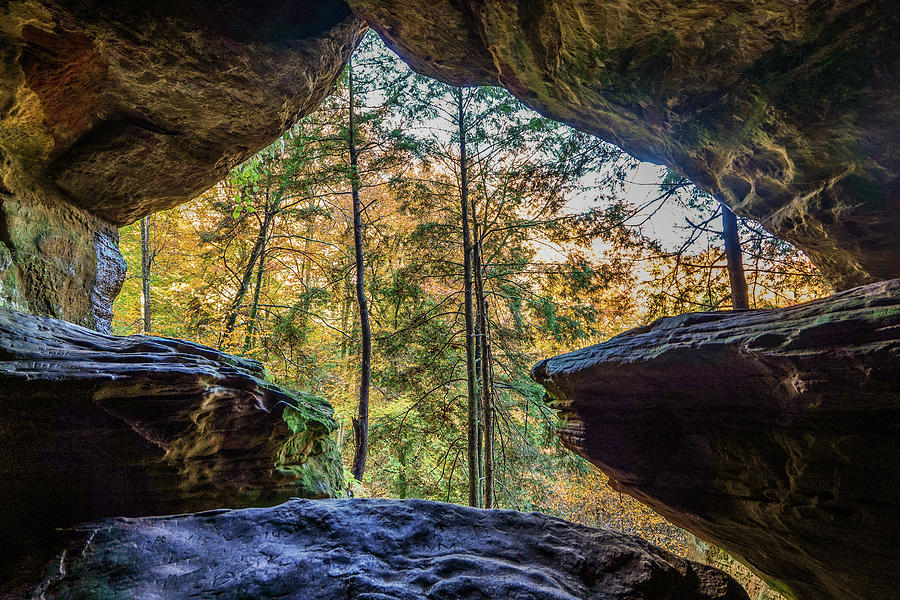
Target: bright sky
667, 225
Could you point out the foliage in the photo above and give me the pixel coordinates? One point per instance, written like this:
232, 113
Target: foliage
262, 265
589, 499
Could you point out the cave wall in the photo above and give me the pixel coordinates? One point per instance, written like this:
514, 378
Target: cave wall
786, 110
57, 259
110, 111
708, 554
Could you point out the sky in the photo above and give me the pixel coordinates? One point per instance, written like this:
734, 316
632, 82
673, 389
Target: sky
668, 223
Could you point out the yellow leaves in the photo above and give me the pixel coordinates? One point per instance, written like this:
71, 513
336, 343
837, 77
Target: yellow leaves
588, 499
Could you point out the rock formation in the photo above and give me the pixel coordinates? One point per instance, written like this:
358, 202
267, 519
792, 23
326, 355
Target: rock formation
57, 259
110, 111
779, 443
372, 549
784, 110
95, 426
756, 588
774, 434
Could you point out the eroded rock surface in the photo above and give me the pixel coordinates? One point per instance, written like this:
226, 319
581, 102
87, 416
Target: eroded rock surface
57, 259
130, 108
95, 426
785, 110
774, 434
708, 554
113, 110
405, 550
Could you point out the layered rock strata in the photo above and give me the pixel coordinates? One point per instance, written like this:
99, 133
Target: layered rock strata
784, 110
774, 434
95, 426
110, 111
345, 549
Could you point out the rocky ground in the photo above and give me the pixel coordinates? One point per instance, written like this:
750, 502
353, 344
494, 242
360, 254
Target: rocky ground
372, 550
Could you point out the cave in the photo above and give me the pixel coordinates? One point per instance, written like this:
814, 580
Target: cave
772, 434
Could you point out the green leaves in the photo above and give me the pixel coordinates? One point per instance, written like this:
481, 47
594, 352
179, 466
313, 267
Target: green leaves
242, 205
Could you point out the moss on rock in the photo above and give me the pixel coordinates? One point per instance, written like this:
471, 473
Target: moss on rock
310, 454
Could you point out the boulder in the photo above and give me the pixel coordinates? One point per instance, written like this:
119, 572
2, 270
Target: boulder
773, 434
343, 549
95, 426
785, 111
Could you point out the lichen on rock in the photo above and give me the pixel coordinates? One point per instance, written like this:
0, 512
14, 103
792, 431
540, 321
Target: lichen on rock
310, 454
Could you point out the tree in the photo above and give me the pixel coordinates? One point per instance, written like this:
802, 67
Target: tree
739, 298
248, 178
444, 181
146, 259
474, 422
512, 172
361, 423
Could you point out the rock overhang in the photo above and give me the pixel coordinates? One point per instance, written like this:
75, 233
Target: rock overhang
786, 111
129, 109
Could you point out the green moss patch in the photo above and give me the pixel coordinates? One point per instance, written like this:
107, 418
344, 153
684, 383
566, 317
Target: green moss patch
310, 454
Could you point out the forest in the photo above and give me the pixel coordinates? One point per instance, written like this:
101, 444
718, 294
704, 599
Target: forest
409, 250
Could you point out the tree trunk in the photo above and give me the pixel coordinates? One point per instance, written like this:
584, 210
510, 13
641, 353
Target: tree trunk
476, 369
231, 320
739, 295
345, 317
254, 308
361, 423
485, 368
145, 274
473, 421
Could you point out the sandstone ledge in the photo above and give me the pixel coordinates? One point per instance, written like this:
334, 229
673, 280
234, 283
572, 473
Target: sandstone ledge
773, 434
